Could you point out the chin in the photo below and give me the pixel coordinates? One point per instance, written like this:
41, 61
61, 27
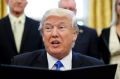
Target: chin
18, 10
56, 51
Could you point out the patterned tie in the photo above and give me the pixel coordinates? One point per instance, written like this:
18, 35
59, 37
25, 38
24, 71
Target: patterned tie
58, 65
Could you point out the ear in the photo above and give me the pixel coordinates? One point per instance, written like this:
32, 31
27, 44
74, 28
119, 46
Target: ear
75, 34
42, 37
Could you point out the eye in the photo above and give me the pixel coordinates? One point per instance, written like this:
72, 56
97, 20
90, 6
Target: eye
61, 27
48, 28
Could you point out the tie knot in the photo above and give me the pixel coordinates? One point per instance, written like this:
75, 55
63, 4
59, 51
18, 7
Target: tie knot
58, 65
17, 21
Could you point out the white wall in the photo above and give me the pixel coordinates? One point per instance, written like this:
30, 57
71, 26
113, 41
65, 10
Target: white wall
36, 8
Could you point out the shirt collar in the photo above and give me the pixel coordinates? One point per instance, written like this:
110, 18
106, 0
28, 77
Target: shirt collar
51, 61
66, 61
13, 18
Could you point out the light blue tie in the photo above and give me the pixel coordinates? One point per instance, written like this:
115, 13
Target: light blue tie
58, 65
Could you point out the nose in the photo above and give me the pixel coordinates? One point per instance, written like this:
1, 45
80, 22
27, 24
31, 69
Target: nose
55, 33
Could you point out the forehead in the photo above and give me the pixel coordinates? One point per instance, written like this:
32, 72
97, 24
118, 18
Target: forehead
117, 1
17, 0
57, 19
67, 3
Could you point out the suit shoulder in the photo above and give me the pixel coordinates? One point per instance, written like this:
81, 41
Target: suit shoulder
32, 20
87, 60
88, 29
26, 57
4, 19
3, 22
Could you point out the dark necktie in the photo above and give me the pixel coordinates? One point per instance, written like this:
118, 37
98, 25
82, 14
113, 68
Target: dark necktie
58, 65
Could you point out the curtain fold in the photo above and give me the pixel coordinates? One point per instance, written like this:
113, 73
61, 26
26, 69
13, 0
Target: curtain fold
2, 8
100, 14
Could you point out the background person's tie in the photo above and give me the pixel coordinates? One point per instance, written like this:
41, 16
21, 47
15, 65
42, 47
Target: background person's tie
58, 65
17, 34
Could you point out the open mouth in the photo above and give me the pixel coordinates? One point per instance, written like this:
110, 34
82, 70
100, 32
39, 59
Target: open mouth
55, 43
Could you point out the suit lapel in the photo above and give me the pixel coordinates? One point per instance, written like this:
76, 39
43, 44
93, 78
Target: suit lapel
79, 37
9, 34
25, 32
106, 36
81, 31
41, 60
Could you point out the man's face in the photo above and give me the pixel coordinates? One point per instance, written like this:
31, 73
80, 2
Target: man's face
70, 5
17, 6
58, 35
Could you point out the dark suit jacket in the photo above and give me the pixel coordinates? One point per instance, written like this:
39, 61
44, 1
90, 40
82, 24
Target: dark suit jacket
87, 42
31, 39
104, 45
39, 59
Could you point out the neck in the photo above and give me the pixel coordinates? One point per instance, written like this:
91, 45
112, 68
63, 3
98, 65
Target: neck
58, 57
16, 14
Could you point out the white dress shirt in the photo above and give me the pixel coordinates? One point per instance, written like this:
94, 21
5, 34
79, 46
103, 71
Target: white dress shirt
66, 61
17, 25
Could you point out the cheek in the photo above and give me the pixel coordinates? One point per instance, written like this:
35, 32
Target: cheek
45, 37
68, 38
74, 37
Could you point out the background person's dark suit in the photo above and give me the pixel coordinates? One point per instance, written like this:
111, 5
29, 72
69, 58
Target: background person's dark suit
39, 59
87, 42
31, 39
104, 45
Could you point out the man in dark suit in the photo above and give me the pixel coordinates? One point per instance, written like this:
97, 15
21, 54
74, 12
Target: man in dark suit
16, 38
86, 42
59, 31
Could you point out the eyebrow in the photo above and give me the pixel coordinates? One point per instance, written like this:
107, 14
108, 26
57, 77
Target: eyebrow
47, 23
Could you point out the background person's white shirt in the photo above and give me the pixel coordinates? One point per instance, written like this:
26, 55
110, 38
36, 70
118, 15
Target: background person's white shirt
17, 25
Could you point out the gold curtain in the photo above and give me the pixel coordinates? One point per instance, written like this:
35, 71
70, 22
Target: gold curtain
2, 8
100, 14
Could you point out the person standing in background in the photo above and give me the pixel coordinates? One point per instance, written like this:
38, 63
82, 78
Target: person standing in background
109, 40
18, 33
87, 40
